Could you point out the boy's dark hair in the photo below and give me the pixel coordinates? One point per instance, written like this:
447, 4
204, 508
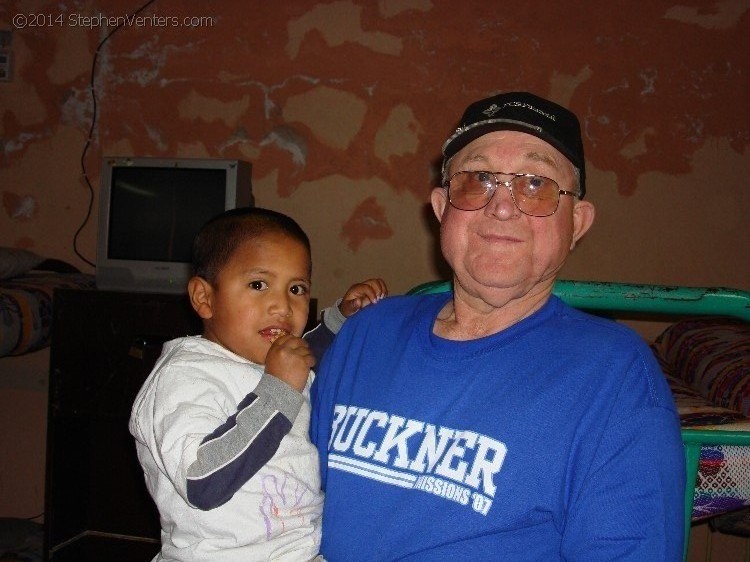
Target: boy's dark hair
220, 236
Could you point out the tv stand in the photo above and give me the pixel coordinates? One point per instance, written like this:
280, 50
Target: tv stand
104, 345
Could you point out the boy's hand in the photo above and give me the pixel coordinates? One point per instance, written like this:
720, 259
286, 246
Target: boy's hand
290, 360
360, 295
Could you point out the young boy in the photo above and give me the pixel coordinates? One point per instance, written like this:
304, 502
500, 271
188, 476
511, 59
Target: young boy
221, 424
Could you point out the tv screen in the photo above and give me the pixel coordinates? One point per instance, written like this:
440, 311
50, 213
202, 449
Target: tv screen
150, 211
171, 204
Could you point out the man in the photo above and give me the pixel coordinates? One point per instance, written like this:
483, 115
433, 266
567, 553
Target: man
495, 422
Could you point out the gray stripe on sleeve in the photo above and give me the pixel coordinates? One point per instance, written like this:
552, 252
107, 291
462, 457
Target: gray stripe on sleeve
283, 397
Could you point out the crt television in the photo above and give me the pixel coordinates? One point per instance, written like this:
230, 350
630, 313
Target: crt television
150, 210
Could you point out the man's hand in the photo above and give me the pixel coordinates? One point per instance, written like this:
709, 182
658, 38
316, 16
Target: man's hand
362, 294
290, 360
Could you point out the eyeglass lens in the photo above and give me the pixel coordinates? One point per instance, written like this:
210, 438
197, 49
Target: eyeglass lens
533, 195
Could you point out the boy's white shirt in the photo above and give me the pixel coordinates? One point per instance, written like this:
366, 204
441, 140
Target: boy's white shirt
194, 387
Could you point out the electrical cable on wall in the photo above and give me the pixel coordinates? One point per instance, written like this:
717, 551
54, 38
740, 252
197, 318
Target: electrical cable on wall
91, 133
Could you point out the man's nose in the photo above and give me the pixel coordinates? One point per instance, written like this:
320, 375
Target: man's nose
501, 205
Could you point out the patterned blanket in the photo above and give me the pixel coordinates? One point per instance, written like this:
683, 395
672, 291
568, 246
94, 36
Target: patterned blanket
707, 364
26, 308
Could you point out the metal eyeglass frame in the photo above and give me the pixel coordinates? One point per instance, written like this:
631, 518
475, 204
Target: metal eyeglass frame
508, 185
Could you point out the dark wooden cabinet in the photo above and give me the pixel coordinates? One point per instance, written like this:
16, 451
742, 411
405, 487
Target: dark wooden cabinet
104, 345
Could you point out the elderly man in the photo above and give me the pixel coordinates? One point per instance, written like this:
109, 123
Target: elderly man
495, 422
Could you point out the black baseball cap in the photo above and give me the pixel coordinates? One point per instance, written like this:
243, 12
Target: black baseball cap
527, 113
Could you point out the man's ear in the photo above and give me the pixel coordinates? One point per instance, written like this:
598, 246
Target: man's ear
200, 292
439, 199
583, 218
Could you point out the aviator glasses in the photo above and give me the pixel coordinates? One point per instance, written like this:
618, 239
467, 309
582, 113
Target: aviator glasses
533, 195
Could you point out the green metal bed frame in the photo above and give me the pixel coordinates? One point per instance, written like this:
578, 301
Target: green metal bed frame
654, 300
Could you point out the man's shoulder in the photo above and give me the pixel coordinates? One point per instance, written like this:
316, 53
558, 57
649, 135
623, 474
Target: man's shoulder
615, 348
389, 319
586, 324
396, 308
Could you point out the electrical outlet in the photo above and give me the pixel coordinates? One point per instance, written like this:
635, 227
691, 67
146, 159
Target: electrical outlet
6, 66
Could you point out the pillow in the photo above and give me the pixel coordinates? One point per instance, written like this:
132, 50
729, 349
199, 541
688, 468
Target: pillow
712, 355
17, 261
57, 266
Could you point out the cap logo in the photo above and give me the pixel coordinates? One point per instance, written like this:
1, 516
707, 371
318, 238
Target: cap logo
491, 110
531, 107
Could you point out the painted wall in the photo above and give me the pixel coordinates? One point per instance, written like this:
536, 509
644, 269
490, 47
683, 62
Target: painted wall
342, 108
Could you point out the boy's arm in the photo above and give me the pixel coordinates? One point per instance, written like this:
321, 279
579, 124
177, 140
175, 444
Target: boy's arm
356, 297
320, 338
233, 453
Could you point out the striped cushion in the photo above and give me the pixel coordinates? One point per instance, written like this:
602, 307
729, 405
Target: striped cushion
712, 356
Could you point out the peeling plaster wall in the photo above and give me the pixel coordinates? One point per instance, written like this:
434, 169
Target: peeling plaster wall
343, 106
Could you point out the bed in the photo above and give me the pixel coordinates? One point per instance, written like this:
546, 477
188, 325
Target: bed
705, 355
27, 285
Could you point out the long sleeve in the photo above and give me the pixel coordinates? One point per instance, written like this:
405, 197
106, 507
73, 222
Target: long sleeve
321, 337
234, 452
